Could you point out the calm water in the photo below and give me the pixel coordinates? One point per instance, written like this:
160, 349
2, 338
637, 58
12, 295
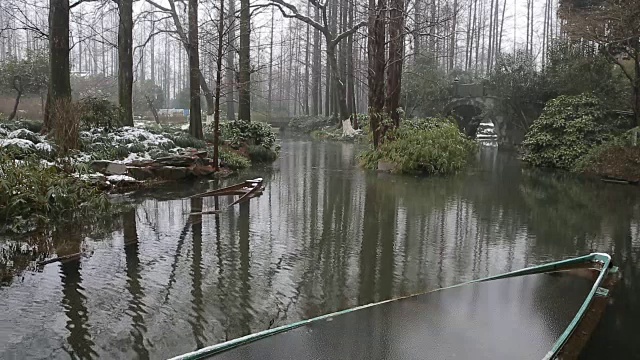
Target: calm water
324, 236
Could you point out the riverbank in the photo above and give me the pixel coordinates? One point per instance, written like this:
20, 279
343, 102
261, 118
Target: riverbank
326, 128
112, 160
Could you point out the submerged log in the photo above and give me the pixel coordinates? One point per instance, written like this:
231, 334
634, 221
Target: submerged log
205, 212
60, 258
619, 181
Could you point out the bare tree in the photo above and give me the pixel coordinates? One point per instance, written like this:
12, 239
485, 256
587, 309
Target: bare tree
59, 75
614, 26
377, 63
230, 73
195, 111
396, 52
244, 57
332, 40
125, 58
171, 10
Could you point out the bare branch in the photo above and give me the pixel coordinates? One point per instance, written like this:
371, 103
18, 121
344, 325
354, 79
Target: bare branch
348, 32
296, 15
158, 6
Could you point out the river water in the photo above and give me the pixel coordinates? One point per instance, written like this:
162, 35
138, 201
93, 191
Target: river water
324, 236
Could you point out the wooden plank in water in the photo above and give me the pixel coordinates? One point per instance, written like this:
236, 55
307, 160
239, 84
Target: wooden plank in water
252, 193
237, 189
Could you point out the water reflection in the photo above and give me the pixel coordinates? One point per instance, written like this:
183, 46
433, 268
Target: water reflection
197, 319
136, 306
79, 342
327, 236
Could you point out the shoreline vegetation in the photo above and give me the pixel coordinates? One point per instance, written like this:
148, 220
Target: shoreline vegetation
42, 184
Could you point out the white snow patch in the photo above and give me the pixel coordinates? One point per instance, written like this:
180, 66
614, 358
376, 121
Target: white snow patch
44, 147
46, 163
22, 143
24, 134
120, 178
134, 157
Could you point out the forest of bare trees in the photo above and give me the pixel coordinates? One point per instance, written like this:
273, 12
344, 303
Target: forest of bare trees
265, 59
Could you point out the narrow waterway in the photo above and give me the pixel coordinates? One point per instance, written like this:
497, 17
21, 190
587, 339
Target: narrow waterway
324, 236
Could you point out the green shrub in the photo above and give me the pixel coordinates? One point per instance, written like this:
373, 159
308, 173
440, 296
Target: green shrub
233, 160
100, 151
617, 157
33, 194
260, 154
307, 124
429, 146
187, 141
567, 129
99, 113
238, 133
31, 125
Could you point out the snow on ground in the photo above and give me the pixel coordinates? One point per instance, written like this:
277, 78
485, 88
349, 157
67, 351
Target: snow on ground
44, 147
120, 178
22, 143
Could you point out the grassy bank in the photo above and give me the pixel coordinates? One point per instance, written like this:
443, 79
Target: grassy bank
431, 146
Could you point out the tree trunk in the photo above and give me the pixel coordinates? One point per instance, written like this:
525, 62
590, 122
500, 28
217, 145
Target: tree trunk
152, 53
152, 107
244, 86
216, 113
394, 70
377, 62
454, 29
59, 72
491, 36
636, 86
306, 67
338, 83
195, 111
17, 85
270, 80
230, 73
125, 58
350, 73
316, 104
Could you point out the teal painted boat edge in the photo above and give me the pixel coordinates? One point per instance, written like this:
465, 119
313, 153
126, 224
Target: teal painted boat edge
603, 258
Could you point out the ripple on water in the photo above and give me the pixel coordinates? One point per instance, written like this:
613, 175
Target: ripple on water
324, 236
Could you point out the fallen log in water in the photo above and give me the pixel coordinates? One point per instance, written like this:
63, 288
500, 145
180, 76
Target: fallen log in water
612, 180
60, 258
205, 212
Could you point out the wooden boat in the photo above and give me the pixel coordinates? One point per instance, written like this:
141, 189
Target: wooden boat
542, 312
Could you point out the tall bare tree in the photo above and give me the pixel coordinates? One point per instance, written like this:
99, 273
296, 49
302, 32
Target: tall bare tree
377, 62
396, 52
332, 39
195, 111
59, 75
244, 57
230, 72
613, 25
125, 58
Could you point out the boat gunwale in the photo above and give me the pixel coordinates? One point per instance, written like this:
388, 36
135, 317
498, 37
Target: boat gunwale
602, 258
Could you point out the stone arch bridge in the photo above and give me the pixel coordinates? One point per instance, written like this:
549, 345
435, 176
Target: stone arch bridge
471, 104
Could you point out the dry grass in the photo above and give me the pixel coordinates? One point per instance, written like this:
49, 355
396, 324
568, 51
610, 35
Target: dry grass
65, 116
